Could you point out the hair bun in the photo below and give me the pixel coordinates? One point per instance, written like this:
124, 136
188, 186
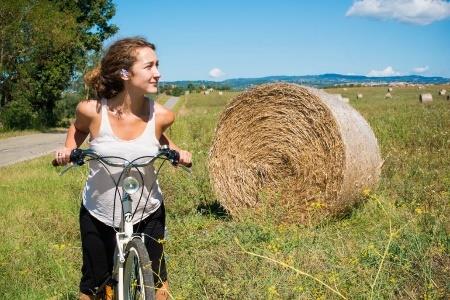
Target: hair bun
93, 80
92, 77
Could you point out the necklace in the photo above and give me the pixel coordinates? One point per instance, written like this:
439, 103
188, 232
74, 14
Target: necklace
118, 113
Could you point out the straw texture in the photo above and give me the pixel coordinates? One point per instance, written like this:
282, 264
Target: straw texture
297, 149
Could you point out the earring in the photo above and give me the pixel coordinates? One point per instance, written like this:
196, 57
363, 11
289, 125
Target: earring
124, 73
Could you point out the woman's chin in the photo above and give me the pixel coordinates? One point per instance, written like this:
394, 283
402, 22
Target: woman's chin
152, 90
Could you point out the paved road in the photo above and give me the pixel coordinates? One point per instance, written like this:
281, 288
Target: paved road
21, 148
170, 104
16, 149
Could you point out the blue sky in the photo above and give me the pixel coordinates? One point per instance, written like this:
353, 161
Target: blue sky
217, 40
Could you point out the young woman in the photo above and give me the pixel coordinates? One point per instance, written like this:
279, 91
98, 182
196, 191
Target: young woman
122, 122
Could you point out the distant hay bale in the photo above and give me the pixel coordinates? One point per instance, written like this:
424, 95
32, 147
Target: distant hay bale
220, 93
442, 92
388, 96
296, 149
389, 89
343, 99
359, 96
345, 89
425, 98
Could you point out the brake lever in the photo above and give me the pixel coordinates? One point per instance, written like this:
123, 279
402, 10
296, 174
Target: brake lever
189, 170
67, 168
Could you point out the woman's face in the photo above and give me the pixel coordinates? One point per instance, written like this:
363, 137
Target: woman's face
144, 73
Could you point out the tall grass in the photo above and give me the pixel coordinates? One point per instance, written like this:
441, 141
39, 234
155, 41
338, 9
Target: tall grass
394, 245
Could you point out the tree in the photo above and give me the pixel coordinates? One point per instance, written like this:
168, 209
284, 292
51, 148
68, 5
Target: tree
44, 45
190, 87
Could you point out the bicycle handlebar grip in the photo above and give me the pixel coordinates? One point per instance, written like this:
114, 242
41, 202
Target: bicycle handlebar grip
174, 156
76, 156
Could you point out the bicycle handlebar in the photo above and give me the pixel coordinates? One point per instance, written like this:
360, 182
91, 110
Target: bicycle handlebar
78, 156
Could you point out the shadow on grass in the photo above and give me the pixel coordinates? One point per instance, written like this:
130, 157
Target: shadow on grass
214, 209
350, 212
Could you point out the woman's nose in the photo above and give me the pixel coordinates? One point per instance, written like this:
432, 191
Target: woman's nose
156, 73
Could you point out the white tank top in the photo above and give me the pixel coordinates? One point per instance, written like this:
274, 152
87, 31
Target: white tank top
100, 190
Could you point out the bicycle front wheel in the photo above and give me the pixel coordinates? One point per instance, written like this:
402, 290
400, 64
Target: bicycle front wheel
138, 275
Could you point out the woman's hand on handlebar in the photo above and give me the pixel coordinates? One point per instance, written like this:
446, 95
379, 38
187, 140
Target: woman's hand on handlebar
185, 158
62, 156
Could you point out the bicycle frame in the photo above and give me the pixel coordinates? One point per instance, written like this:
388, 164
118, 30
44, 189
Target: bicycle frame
125, 233
123, 236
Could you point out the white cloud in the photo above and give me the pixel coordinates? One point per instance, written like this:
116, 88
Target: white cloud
421, 12
421, 69
389, 71
216, 73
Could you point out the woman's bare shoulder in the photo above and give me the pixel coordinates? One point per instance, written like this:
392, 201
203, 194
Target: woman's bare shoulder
165, 115
87, 113
88, 108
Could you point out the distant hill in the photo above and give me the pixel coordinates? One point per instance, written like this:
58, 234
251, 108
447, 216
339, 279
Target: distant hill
323, 80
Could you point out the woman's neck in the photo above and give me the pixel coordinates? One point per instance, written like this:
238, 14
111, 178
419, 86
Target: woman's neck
125, 103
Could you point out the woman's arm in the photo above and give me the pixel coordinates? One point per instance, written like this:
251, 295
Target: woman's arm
78, 131
75, 137
164, 140
164, 119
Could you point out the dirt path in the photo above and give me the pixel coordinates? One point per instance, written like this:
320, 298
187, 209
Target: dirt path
21, 148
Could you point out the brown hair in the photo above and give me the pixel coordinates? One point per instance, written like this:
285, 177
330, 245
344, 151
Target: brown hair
105, 80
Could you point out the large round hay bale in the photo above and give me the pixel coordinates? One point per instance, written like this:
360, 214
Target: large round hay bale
442, 92
389, 89
296, 149
388, 96
359, 96
426, 98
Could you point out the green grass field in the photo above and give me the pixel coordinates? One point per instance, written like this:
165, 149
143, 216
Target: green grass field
395, 245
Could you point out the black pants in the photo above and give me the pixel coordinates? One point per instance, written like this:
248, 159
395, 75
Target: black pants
99, 241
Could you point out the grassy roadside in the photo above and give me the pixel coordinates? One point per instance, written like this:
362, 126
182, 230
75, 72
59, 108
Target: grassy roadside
162, 98
8, 134
395, 245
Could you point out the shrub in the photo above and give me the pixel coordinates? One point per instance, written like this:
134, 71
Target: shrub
17, 115
65, 108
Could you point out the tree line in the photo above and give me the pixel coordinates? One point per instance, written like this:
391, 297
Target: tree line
178, 90
45, 48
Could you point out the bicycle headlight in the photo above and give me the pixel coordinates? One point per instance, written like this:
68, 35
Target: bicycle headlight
130, 185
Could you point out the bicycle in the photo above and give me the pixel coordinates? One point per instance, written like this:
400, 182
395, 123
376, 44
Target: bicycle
132, 276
